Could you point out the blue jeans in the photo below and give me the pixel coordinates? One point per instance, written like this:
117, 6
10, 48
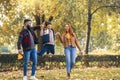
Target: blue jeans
47, 48
70, 54
27, 55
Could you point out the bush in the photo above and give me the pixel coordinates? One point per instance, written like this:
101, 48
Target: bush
10, 60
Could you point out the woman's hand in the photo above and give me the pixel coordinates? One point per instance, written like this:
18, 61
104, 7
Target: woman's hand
57, 34
81, 52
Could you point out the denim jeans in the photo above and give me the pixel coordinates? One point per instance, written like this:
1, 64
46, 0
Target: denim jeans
47, 48
27, 55
70, 55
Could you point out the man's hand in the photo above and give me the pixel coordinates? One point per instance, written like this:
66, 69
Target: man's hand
19, 51
20, 55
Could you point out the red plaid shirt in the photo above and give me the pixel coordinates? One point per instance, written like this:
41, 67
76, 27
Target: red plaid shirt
24, 38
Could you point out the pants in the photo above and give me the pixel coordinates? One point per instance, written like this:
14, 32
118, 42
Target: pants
27, 55
47, 48
70, 55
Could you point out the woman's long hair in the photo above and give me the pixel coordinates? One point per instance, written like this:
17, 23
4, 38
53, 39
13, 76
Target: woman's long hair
70, 29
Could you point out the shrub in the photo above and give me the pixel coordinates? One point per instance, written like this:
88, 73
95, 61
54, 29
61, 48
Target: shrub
10, 60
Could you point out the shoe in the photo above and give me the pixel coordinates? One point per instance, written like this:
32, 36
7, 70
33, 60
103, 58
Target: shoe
33, 78
25, 78
68, 74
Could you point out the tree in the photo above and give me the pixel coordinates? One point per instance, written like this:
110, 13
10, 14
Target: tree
13, 12
90, 14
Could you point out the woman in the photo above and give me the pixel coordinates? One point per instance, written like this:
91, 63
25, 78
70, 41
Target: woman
69, 40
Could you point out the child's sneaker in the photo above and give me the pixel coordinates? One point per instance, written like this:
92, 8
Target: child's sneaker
33, 78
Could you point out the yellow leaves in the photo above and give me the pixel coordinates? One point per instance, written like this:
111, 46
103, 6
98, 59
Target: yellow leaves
20, 56
77, 23
4, 28
54, 13
53, 4
5, 79
60, 74
1, 40
112, 24
15, 68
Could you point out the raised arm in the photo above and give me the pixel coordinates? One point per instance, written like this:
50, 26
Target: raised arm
36, 27
41, 30
60, 36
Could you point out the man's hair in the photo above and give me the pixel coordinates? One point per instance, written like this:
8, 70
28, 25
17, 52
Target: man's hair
26, 20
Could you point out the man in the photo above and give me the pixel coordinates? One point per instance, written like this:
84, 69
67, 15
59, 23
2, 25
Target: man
27, 40
48, 36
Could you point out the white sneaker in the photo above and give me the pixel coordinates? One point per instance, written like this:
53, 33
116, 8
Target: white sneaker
25, 78
33, 78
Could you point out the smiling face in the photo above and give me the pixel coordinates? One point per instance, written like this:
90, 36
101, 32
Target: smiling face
28, 23
67, 27
49, 26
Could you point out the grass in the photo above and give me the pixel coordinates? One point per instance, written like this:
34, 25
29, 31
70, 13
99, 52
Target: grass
60, 74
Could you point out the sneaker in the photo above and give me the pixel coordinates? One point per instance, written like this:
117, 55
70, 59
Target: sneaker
25, 78
33, 78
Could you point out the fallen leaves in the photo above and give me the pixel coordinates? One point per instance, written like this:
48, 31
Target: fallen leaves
60, 74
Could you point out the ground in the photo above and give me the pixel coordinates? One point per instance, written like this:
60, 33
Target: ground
93, 73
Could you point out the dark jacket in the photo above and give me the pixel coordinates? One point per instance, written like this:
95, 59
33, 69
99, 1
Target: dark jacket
24, 38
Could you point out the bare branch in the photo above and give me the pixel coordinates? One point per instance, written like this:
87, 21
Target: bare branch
33, 14
43, 18
50, 18
104, 7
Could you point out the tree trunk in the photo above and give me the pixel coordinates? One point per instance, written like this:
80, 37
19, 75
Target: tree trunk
37, 18
88, 34
86, 57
